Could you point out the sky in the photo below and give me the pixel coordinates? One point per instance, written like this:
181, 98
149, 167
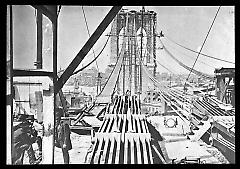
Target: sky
184, 24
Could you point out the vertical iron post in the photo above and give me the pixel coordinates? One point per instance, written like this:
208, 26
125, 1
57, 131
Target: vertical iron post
11, 78
39, 40
54, 22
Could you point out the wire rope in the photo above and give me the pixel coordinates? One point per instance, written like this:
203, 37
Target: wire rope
198, 52
203, 44
190, 56
93, 59
89, 34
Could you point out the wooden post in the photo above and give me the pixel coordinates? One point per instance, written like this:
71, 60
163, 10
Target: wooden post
55, 76
49, 100
48, 123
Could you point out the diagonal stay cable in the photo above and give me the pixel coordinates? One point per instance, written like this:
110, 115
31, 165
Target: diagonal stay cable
89, 35
203, 44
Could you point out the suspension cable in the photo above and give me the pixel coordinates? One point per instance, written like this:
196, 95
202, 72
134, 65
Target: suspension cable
93, 59
103, 46
197, 52
89, 35
165, 66
189, 56
185, 66
202, 45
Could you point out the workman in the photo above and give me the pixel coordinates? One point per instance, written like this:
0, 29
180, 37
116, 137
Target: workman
38, 126
23, 137
128, 93
63, 140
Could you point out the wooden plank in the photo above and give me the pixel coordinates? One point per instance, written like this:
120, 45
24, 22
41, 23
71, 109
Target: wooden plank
132, 148
133, 123
123, 105
115, 125
93, 150
80, 128
129, 118
139, 109
20, 72
104, 124
126, 150
114, 105
200, 107
136, 106
149, 150
145, 122
133, 105
118, 139
111, 149
103, 157
124, 124
222, 127
145, 159
139, 154
78, 118
98, 151
101, 127
116, 109
109, 124
119, 121
138, 125
159, 155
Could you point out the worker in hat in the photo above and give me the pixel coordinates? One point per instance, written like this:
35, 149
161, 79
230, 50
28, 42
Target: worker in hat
23, 137
62, 137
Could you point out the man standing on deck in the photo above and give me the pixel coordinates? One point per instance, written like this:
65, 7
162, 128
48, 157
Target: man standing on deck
63, 140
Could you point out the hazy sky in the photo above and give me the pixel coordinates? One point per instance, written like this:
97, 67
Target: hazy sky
185, 25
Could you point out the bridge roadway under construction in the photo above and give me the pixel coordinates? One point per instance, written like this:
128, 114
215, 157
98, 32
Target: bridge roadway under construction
124, 137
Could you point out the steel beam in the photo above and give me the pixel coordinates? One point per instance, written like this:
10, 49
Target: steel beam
47, 10
19, 72
86, 48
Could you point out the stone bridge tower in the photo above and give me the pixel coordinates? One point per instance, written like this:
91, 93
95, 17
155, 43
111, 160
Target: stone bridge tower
129, 78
